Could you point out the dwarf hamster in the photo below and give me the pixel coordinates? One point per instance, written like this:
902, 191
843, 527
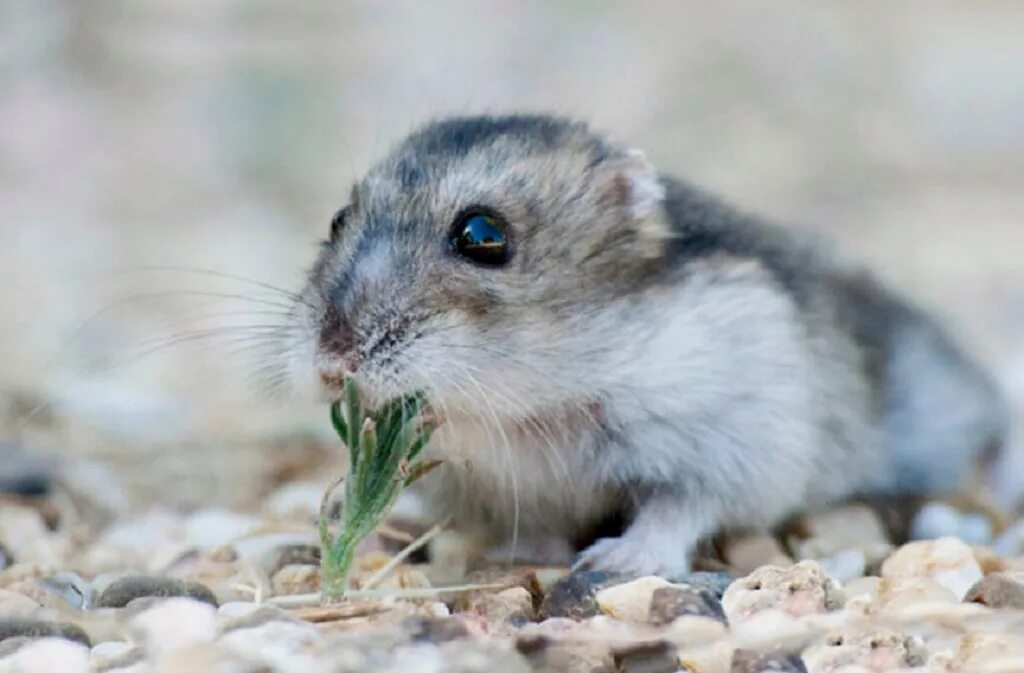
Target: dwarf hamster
606, 342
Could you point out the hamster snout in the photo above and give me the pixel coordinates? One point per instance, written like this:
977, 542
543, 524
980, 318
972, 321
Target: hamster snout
605, 341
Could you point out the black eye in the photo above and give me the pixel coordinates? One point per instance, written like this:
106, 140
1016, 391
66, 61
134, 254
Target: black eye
338, 223
480, 236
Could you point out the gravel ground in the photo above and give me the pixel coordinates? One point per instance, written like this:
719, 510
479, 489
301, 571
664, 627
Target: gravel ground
89, 584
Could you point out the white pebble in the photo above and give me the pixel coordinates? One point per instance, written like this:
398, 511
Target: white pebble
630, 602
111, 649
175, 623
947, 561
935, 520
48, 655
236, 609
846, 565
215, 527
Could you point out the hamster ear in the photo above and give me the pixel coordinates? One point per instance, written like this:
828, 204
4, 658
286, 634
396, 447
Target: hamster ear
633, 185
630, 184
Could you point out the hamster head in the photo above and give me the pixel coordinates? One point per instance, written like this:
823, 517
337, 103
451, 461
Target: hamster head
480, 256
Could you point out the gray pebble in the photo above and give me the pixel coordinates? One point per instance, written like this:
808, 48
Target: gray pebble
573, 596
997, 591
6, 557
670, 603
123, 591
649, 657
749, 661
715, 582
34, 628
296, 554
435, 629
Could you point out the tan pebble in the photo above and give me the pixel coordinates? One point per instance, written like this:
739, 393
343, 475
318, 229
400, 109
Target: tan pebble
296, 579
18, 604
896, 594
744, 554
948, 561
846, 527
799, 590
988, 560
771, 629
23, 531
631, 601
174, 623
978, 652
500, 607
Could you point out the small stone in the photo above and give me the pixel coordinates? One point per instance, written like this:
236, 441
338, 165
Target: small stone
939, 519
896, 595
111, 649
630, 601
122, 592
283, 645
745, 554
435, 629
574, 596
173, 624
884, 650
32, 628
296, 500
296, 554
715, 582
296, 579
669, 603
648, 657
71, 588
215, 527
24, 534
1011, 541
272, 551
25, 473
509, 605
17, 604
237, 609
6, 557
49, 655
749, 661
799, 590
851, 526
846, 565
997, 590
948, 561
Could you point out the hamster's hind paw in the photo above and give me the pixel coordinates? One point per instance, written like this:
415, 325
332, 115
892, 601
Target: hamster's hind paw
632, 556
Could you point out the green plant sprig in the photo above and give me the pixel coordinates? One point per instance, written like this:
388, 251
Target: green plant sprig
383, 446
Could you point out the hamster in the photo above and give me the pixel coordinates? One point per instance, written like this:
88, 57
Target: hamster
610, 344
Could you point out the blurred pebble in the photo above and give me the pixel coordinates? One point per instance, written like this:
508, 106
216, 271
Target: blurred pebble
215, 527
1011, 541
746, 553
173, 624
12, 627
16, 604
646, 657
296, 579
672, 602
948, 561
295, 500
25, 473
49, 655
123, 591
509, 605
573, 596
939, 519
111, 649
846, 565
882, 650
6, 557
71, 588
799, 590
749, 661
630, 601
997, 590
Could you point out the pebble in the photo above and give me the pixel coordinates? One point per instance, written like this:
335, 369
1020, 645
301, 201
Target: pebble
715, 582
799, 590
435, 629
16, 604
939, 519
71, 588
6, 557
13, 627
646, 657
630, 601
215, 527
896, 595
25, 536
672, 602
750, 661
745, 554
123, 591
283, 645
514, 605
1011, 541
48, 655
295, 500
296, 579
846, 565
173, 624
947, 561
574, 596
883, 650
997, 590
111, 649
271, 551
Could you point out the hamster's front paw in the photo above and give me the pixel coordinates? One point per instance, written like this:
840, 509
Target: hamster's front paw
634, 556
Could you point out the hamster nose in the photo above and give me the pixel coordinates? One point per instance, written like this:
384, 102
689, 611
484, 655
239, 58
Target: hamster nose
338, 341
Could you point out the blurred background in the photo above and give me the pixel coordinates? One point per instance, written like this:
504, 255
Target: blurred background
148, 147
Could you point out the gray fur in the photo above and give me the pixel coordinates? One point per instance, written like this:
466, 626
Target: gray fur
647, 352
